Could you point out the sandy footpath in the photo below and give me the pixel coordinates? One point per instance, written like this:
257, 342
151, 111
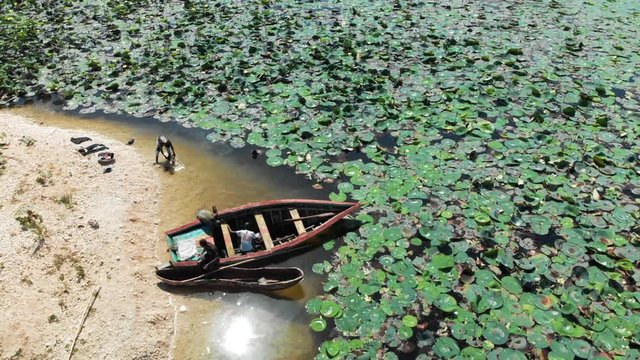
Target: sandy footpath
46, 284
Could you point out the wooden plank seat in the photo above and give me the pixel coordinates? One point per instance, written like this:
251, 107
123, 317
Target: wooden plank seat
264, 231
299, 225
226, 234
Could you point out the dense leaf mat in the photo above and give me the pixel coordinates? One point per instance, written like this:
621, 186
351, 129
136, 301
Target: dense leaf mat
494, 145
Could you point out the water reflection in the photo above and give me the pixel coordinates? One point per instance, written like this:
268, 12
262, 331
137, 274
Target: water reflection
258, 327
238, 334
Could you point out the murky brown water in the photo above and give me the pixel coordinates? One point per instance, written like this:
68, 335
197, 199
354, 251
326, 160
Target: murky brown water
216, 325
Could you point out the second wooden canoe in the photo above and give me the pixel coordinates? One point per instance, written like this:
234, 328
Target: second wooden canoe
235, 278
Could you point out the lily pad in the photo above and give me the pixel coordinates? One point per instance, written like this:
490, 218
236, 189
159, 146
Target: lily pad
409, 321
318, 324
446, 347
496, 333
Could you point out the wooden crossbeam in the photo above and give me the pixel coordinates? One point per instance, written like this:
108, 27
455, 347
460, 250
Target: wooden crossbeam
226, 234
299, 225
264, 231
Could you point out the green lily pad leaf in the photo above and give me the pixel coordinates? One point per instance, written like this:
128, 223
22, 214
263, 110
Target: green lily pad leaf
540, 225
536, 338
620, 327
318, 324
447, 214
565, 327
405, 332
332, 348
390, 356
502, 353
345, 187
386, 260
464, 331
275, 161
471, 353
485, 277
409, 321
491, 300
560, 352
482, 218
511, 284
545, 302
392, 233
340, 197
313, 306
566, 222
446, 347
572, 250
446, 303
329, 309
606, 340
496, 333
441, 261
604, 260
580, 348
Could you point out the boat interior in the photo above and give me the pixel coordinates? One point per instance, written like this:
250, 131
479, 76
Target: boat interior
276, 225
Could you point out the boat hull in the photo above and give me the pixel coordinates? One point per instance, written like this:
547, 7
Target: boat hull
233, 278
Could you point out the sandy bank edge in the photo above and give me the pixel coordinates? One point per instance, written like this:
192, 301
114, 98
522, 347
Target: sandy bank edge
43, 296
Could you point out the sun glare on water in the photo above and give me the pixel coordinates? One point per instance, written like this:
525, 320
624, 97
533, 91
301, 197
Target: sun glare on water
238, 336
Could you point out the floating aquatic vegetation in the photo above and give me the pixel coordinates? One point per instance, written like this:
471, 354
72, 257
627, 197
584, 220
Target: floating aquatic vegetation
493, 145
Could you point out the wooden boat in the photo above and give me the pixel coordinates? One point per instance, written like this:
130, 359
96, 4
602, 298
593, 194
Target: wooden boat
266, 278
285, 225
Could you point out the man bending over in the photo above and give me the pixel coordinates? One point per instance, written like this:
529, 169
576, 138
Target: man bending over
163, 143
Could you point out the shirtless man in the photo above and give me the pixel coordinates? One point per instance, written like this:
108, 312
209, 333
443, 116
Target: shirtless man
163, 143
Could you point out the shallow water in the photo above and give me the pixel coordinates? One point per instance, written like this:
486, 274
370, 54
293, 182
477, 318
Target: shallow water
216, 325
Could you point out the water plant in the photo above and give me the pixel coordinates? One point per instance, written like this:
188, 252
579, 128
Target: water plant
493, 144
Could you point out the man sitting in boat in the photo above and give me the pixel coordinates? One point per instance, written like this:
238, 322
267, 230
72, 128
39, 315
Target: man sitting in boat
163, 143
246, 238
210, 259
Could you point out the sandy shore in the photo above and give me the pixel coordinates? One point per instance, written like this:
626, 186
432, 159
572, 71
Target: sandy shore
96, 229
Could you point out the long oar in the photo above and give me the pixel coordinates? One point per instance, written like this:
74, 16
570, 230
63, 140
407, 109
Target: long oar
216, 270
94, 295
234, 265
312, 216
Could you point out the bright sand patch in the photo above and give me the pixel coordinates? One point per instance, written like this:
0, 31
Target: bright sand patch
43, 295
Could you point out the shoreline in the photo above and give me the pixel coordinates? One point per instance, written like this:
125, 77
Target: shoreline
82, 229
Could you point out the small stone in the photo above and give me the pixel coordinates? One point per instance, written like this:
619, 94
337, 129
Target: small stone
183, 308
94, 224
